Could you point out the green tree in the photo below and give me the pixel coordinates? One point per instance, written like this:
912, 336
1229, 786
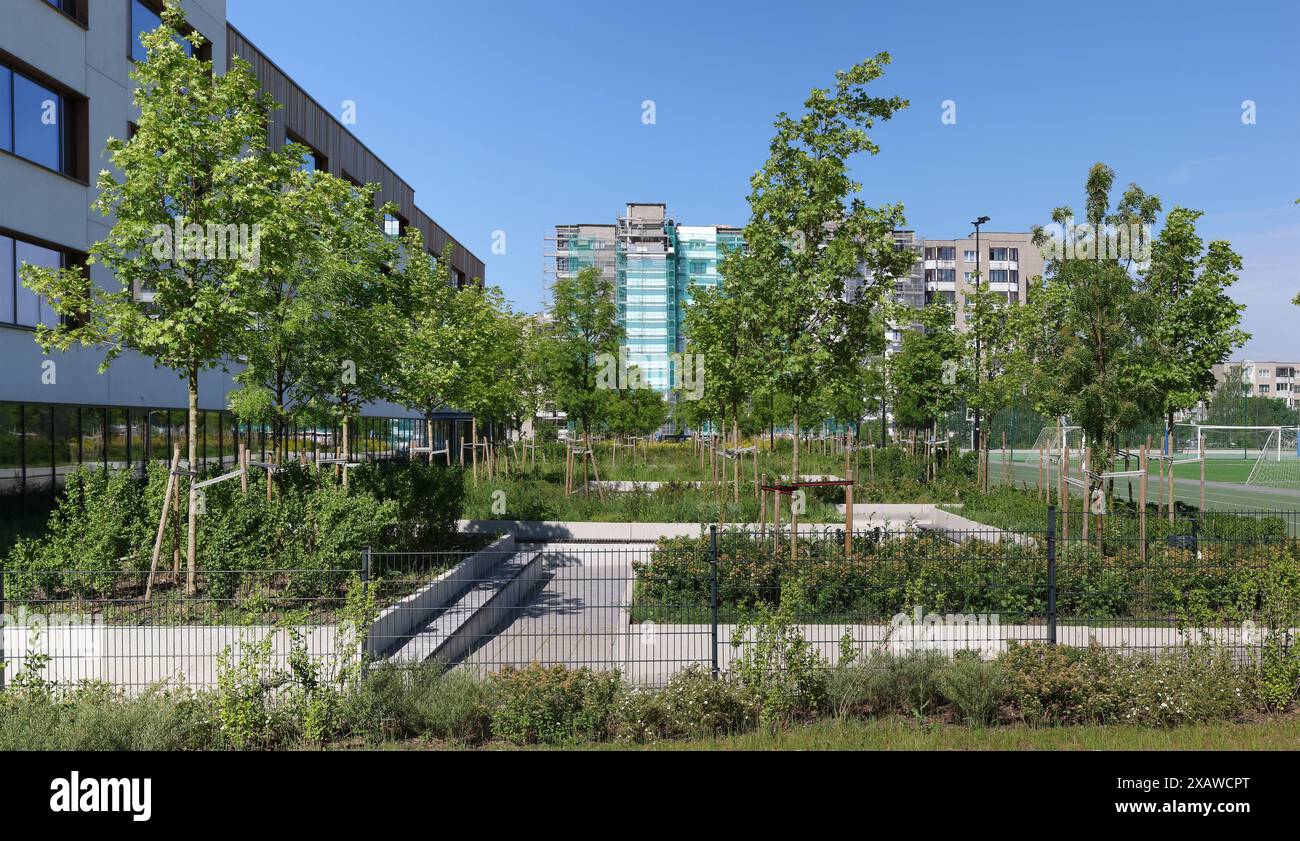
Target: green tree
809, 232
198, 164
582, 337
432, 364
1095, 359
637, 411
312, 321
925, 369
1196, 324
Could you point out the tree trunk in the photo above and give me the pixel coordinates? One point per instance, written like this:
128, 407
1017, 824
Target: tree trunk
193, 522
794, 479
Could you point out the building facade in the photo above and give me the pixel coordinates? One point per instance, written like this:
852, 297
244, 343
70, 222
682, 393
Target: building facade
654, 264
1005, 261
64, 90
1265, 379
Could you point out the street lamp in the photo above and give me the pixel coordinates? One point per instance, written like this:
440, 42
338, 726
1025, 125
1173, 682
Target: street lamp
978, 256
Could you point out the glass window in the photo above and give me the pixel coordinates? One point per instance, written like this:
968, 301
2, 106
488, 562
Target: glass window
116, 435
67, 437
33, 309
6, 110
37, 117
968, 256
7, 279
11, 465
392, 226
144, 19
37, 419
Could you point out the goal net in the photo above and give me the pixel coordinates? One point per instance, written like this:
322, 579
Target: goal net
1277, 463
1226, 442
1052, 440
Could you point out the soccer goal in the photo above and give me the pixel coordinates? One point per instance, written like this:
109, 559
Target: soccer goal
1053, 440
1226, 442
1277, 463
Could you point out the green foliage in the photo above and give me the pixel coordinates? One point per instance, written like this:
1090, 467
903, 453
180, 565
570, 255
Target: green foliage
783, 671
923, 368
553, 705
976, 688
581, 328
694, 705
104, 524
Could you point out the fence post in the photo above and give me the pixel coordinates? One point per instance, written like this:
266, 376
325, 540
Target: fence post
365, 598
1051, 574
3, 622
713, 595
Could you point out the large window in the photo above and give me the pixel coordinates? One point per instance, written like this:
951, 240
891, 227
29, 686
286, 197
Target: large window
18, 304
144, 18
312, 161
6, 109
35, 122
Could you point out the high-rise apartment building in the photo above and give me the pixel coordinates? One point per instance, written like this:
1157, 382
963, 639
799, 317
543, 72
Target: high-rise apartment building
64, 90
654, 264
1265, 379
1004, 260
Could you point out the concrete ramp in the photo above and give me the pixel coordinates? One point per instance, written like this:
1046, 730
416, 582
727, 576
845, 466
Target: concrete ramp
488, 603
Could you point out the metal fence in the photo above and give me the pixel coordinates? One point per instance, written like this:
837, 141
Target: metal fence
653, 609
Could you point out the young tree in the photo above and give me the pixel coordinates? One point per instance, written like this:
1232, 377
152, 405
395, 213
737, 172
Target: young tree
360, 304
581, 329
1196, 324
637, 411
808, 233
1095, 357
430, 369
924, 369
720, 326
312, 320
197, 169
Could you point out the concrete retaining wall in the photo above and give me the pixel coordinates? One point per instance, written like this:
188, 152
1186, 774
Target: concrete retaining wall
400, 620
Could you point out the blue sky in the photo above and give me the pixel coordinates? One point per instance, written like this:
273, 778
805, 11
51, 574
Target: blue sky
515, 116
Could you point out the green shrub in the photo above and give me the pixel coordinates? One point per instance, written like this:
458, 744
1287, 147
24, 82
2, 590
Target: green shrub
692, 705
553, 705
399, 701
976, 688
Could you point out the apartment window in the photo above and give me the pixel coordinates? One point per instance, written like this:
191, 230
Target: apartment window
393, 225
75, 9
1015, 277
36, 123
1263, 389
6, 109
145, 18
947, 252
930, 252
968, 256
1013, 254
1264, 373
312, 161
998, 254
946, 275
18, 304
997, 275
969, 278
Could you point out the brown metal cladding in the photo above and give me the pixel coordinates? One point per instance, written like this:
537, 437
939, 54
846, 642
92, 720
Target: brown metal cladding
303, 116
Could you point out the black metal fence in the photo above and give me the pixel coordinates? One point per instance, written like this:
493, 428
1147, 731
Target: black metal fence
653, 609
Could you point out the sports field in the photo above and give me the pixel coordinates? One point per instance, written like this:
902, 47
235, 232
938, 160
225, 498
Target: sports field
1224, 488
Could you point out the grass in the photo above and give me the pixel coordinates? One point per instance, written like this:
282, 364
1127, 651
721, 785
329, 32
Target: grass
898, 733
1231, 470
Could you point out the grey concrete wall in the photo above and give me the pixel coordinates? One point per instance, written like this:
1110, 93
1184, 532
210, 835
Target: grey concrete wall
399, 620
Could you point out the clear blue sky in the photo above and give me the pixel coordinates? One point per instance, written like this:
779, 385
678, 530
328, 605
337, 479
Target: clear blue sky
515, 116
